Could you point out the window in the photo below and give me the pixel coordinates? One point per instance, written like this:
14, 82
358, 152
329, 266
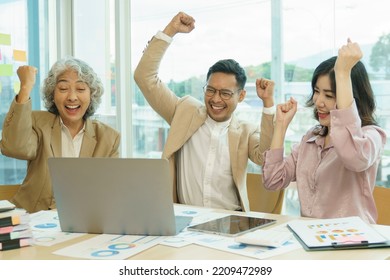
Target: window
22, 41
94, 42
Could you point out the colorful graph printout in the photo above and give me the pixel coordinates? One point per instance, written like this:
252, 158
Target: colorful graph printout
327, 232
109, 246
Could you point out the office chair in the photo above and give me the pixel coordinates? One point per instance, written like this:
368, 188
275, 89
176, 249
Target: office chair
260, 199
382, 201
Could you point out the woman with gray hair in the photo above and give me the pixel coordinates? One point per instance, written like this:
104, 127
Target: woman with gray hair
72, 93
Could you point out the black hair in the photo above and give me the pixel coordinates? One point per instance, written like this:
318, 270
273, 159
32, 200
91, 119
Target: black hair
361, 87
229, 66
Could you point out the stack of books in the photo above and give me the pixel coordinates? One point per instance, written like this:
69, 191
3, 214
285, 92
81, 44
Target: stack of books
15, 230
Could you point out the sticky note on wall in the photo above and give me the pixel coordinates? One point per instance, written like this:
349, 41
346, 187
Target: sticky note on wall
5, 39
6, 70
20, 55
16, 87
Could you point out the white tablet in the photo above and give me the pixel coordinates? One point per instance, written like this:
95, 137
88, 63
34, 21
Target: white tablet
232, 225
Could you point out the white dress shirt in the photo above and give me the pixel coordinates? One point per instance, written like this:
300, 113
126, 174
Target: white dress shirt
71, 146
204, 170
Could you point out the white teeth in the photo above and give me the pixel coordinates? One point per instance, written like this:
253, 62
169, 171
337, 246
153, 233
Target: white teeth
72, 107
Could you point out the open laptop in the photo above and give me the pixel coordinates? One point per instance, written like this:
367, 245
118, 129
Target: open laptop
115, 196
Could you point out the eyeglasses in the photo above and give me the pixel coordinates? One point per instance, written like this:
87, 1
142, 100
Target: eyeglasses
225, 94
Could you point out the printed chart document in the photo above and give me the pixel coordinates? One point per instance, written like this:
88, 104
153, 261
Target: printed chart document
339, 233
110, 246
46, 229
228, 244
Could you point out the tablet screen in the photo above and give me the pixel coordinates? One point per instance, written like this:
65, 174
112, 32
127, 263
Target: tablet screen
232, 225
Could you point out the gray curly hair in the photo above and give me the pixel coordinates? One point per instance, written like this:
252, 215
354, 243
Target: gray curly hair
85, 73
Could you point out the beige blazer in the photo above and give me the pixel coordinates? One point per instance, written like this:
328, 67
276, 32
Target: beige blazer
35, 136
185, 115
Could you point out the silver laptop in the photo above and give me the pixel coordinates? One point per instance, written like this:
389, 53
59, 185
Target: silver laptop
115, 196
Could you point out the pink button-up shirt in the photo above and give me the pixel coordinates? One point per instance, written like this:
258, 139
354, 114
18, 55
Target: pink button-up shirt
336, 181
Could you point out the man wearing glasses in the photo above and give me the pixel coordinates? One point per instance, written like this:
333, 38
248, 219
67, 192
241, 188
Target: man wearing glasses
207, 146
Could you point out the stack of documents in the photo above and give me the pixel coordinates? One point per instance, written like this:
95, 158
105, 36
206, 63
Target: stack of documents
15, 230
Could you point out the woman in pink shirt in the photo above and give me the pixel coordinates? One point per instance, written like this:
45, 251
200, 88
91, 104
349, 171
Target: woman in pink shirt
336, 162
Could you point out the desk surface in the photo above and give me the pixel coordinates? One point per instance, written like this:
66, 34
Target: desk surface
197, 252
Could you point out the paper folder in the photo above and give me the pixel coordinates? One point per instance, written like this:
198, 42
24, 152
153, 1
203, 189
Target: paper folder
336, 234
